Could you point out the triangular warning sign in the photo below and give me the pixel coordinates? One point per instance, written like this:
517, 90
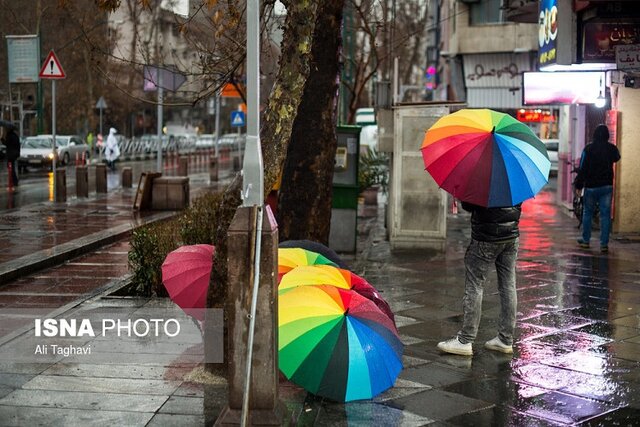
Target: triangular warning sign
51, 68
238, 119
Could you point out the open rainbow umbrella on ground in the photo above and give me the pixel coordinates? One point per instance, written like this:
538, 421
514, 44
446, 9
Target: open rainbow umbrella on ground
311, 275
290, 258
336, 343
486, 158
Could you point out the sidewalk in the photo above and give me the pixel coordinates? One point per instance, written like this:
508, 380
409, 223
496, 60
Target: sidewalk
576, 358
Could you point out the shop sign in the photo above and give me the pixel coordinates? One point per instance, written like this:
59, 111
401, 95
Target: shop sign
547, 32
628, 57
535, 116
600, 40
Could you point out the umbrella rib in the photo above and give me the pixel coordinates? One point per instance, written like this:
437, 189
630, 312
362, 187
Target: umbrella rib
461, 161
520, 166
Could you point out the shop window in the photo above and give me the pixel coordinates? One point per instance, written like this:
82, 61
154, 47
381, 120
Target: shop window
486, 12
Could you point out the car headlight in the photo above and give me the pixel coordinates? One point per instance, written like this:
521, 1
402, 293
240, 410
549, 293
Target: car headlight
50, 156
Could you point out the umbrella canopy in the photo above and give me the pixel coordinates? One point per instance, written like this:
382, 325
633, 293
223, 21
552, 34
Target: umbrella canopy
330, 275
486, 158
185, 274
290, 258
336, 343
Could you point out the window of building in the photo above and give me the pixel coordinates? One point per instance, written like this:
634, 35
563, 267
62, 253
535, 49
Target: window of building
485, 12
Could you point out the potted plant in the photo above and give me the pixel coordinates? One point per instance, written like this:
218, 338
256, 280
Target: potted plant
373, 175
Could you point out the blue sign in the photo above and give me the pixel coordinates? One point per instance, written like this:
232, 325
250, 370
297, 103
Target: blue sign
548, 32
237, 118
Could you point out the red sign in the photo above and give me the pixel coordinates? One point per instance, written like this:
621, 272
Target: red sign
535, 116
600, 39
51, 68
612, 124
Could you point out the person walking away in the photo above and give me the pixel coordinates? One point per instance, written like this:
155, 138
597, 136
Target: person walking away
595, 176
12, 141
494, 240
111, 151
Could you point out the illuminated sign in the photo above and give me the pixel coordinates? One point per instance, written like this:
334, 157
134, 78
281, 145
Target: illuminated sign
568, 87
600, 40
547, 32
535, 116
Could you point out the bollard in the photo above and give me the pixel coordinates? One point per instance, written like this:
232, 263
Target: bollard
265, 406
127, 177
61, 185
183, 166
101, 178
213, 170
82, 181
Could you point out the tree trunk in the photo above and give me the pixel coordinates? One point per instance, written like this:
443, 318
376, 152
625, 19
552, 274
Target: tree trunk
275, 133
305, 195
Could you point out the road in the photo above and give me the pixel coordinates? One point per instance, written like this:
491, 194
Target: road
36, 185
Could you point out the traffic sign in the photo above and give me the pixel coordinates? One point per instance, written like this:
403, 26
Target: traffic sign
237, 118
51, 68
101, 104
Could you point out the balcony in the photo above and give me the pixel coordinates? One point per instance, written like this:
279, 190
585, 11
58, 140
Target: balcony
521, 11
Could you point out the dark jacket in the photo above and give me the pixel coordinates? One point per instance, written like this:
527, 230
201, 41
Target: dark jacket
494, 224
12, 141
596, 164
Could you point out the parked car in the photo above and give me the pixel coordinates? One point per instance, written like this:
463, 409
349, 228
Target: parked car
37, 151
234, 141
552, 151
205, 141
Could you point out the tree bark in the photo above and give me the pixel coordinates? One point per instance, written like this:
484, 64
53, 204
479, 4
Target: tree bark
304, 210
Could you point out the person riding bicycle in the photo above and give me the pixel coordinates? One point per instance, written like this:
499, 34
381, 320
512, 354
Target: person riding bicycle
596, 177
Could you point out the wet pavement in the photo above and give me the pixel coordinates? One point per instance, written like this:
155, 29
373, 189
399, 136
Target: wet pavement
577, 347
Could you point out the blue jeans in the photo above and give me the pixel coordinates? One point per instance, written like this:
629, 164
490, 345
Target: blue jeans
602, 195
479, 258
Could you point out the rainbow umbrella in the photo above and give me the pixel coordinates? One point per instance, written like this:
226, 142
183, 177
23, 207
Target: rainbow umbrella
336, 343
290, 258
486, 158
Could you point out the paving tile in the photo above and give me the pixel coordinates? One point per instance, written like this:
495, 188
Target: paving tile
183, 405
435, 374
107, 371
104, 385
441, 405
173, 420
28, 416
85, 400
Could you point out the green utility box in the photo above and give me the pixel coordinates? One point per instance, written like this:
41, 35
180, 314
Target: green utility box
344, 212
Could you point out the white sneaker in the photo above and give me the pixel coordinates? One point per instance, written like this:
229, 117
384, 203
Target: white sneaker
454, 346
497, 345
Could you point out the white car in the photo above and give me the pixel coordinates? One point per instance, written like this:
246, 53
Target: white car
37, 151
552, 151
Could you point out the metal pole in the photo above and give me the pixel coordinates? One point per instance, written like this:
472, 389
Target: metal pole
159, 162
101, 147
217, 131
53, 132
253, 175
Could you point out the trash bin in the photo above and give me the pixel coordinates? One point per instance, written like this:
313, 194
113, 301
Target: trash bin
344, 205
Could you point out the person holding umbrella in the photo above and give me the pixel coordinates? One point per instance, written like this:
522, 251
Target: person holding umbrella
492, 163
494, 241
12, 141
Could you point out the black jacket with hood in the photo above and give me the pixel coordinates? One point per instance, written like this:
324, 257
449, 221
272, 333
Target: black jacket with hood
596, 165
496, 225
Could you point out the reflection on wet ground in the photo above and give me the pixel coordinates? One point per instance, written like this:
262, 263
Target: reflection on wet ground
576, 359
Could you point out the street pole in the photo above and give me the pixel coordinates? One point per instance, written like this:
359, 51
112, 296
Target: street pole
53, 132
159, 162
217, 131
253, 177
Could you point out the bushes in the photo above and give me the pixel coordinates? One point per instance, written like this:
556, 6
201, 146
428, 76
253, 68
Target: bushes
151, 243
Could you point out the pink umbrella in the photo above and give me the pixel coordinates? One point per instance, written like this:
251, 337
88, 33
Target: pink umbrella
185, 274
